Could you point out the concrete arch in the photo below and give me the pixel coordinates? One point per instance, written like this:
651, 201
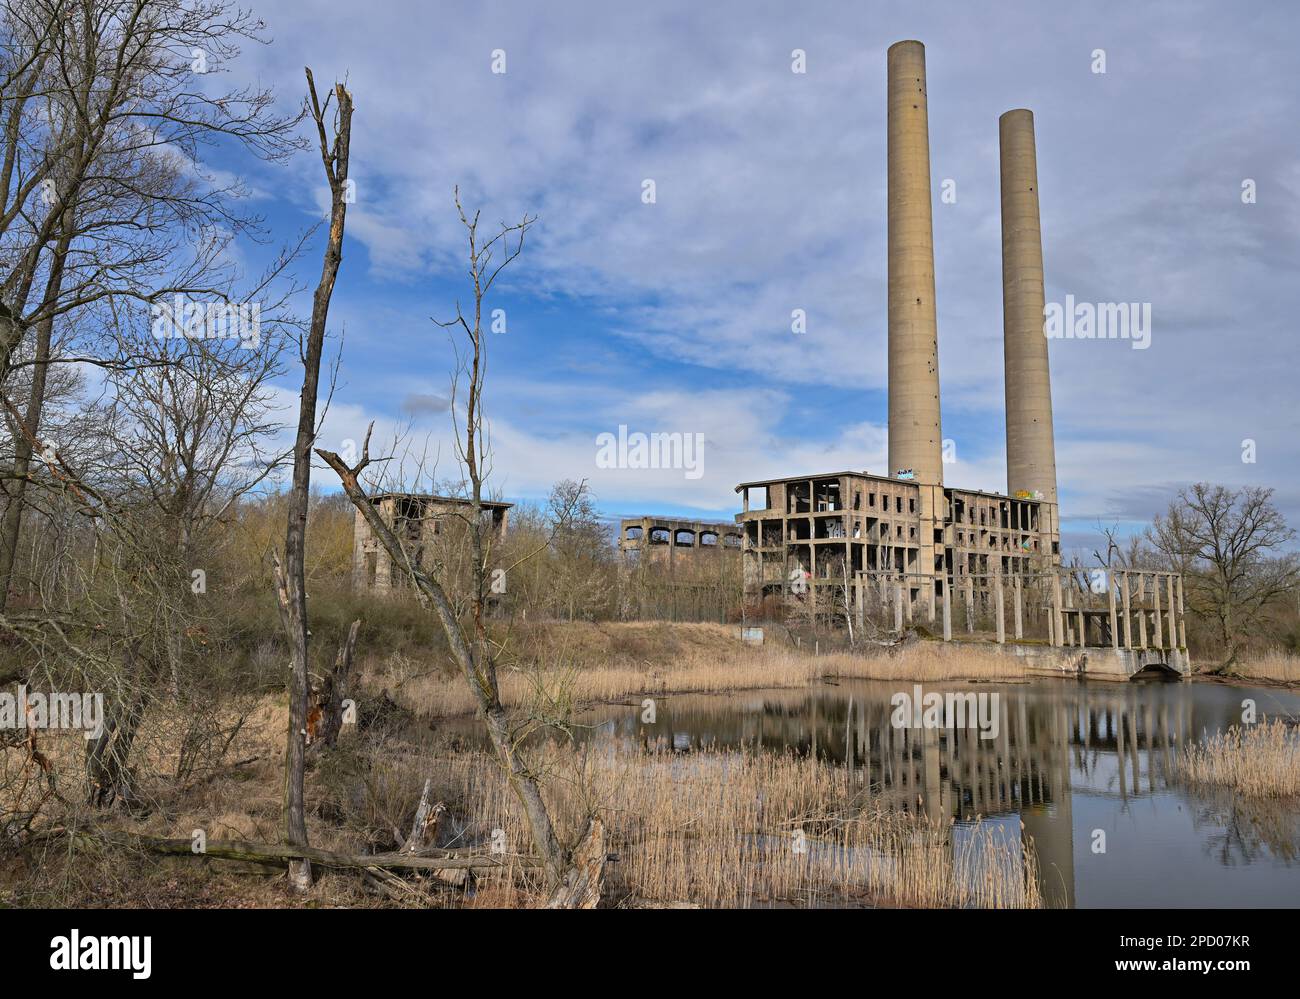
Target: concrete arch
1159, 672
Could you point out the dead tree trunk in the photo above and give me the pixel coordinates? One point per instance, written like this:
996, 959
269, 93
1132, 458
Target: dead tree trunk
326, 719
580, 888
474, 654
292, 582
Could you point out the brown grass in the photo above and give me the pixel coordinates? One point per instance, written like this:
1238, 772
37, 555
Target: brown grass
1278, 666
697, 658
747, 829
1260, 761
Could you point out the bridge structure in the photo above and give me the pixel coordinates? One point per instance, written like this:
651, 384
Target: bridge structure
1120, 623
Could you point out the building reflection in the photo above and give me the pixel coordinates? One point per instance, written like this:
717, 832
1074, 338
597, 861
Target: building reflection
1052, 742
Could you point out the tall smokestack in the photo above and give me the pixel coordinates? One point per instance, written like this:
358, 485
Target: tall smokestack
1031, 449
915, 439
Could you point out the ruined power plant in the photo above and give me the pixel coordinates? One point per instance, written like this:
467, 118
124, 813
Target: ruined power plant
909, 525
909, 544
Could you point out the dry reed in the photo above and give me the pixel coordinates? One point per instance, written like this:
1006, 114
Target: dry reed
1260, 761
1282, 667
746, 829
741, 668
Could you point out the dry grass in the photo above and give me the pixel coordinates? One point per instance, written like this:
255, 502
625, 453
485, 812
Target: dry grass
697, 666
1260, 761
746, 829
1281, 667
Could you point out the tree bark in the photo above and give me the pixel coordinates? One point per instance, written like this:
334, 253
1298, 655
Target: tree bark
275, 853
331, 697
580, 888
16, 488
293, 583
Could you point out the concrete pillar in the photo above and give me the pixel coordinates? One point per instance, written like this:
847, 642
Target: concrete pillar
1159, 621
915, 438
1114, 621
1058, 632
947, 610
1182, 621
1171, 616
1128, 612
1141, 612
970, 604
1031, 450
998, 600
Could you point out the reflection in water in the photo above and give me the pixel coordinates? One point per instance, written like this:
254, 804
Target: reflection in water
1081, 765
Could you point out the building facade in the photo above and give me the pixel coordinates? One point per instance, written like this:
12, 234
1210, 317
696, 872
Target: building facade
431, 529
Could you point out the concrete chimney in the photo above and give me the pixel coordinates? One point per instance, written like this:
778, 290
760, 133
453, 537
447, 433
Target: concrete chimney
1031, 448
915, 439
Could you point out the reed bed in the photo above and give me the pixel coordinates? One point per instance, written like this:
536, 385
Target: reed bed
743, 668
1281, 667
741, 829
1259, 761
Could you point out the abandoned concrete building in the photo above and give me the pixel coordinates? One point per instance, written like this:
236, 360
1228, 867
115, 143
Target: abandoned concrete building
423, 523
676, 569
826, 529
666, 539
907, 538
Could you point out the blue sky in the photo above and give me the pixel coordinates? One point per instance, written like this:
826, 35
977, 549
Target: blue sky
770, 191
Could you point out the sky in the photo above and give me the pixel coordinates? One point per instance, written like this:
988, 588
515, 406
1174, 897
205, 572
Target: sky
769, 197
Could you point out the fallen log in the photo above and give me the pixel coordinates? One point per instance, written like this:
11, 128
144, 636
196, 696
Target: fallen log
270, 853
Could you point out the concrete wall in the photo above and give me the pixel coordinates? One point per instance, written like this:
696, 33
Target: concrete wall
1095, 663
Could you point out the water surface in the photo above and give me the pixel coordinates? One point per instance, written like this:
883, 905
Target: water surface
1084, 766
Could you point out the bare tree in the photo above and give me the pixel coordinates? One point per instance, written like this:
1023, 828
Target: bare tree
580, 548
1227, 543
291, 578
102, 189
475, 654
1121, 553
